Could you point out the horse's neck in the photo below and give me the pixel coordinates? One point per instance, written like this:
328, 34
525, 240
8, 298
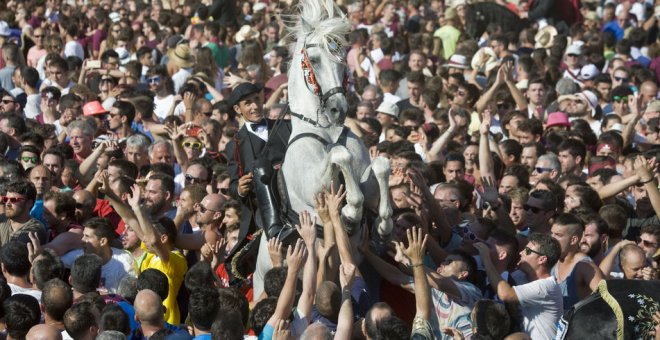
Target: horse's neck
330, 133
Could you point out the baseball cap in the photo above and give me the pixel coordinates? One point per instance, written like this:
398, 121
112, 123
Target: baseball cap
574, 49
589, 72
558, 119
93, 108
4, 29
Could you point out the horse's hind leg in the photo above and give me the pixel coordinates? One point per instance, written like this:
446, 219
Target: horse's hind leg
352, 211
381, 170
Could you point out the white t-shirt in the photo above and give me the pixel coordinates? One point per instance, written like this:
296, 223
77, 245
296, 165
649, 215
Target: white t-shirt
27, 291
121, 264
162, 106
541, 305
180, 78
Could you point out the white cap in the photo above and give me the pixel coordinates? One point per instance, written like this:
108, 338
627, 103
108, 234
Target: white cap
589, 72
4, 29
258, 7
114, 17
388, 109
574, 49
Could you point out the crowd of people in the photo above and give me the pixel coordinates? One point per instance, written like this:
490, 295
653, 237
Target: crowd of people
139, 156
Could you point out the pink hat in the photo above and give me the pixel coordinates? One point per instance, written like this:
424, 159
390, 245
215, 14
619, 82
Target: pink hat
93, 108
558, 119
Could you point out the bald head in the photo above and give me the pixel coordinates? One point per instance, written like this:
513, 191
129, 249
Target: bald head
43, 332
149, 307
84, 197
214, 202
316, 331
328, 299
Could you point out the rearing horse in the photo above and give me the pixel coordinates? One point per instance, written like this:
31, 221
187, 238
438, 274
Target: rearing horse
321, 146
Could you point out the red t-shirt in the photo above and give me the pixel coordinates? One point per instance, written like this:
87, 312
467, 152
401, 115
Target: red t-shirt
104, 209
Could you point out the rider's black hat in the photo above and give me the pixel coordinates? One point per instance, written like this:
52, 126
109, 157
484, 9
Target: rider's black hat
241, 91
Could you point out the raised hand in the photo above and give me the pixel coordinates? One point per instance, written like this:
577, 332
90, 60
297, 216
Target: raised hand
321, 207
296, 256
34, 247
134, 198
102, 178
307, 229
400, 256
245, 184
189, 99
416, 245
642, 169
275, 251
334, 199
485, 123
346, 274
489, 193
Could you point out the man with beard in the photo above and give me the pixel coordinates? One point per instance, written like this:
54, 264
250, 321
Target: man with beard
583, 105
53, 159
535, 94
209, 215
98, 234
17, 223
158, 195
595, 239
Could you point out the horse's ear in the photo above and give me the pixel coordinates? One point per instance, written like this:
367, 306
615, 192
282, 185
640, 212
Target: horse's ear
306, 27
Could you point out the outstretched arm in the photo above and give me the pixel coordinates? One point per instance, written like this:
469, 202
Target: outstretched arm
504, 291
334, 200
345, 318
148, 232
295, 258
307, 231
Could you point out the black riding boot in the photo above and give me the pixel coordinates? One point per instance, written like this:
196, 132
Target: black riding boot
270, 212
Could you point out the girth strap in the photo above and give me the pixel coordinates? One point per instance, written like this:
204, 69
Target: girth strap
341, 140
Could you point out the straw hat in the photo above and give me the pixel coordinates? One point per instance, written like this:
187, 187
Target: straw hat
182, 56
545, 37
457, 61
246, 33
484, 58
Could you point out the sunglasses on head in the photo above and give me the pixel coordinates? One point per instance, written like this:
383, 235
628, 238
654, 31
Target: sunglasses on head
619, 99
32, 160
194, 145
12, 200
534, 210
529, 251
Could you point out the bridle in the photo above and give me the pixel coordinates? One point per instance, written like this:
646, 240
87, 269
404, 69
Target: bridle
314, 87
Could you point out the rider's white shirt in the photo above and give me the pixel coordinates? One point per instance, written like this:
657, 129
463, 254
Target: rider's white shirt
261, 132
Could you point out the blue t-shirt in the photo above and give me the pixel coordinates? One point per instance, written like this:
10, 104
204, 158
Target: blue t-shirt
267, 332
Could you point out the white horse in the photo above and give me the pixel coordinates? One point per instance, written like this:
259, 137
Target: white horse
321, 146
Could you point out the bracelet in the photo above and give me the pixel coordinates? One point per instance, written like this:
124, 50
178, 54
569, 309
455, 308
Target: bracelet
417, 265
649, 181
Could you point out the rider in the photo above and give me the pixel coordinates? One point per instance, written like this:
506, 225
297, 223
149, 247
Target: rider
262, 144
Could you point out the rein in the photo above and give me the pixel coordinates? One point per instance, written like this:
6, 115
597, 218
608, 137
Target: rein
309, 76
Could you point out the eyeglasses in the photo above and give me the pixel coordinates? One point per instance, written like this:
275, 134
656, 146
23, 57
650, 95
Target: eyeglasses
542, 170
534, 210
620, 99
32, 160
8, 101
529, 251
647, 243
153, 80
623, 79
191, 179
12, 200
194, 145
38, 36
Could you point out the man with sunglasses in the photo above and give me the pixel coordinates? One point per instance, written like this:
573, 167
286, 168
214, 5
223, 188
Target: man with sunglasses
649, 238
540, 208
547, 166
540, 300
16, 222
9, 103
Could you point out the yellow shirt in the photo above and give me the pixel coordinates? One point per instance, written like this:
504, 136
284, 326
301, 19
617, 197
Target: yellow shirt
175, 270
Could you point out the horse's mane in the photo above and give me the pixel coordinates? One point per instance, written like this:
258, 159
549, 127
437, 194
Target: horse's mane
321, 22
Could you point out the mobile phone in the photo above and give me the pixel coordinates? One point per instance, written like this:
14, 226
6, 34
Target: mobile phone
193, 131
93, 64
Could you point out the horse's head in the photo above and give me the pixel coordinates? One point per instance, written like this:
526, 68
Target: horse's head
318, 73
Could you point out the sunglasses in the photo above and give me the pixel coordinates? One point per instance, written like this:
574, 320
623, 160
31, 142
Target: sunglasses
208, 114
572, 55
194, 145
224, 191
529, 251
647, 243
80, 206
38, 36
8, 101
32, 160
620, 99
153, 80
623, 79
203, 209
12, 200
534, 210
191, 179
542, 170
